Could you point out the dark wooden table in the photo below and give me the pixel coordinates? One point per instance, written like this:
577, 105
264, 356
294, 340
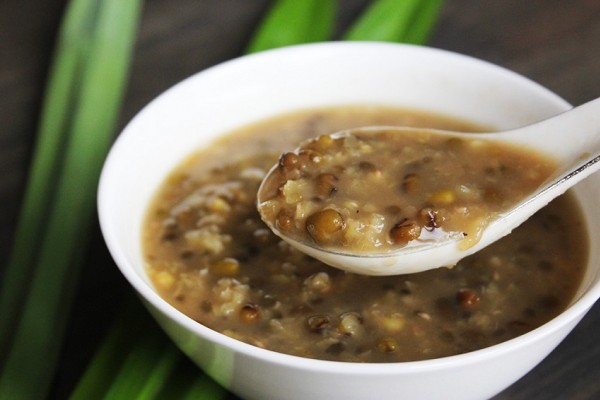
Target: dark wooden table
554, 42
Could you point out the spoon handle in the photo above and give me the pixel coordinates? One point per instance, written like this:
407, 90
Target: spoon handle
570, 137
573, 138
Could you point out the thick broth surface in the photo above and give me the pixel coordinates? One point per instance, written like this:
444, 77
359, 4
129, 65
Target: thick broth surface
209, 254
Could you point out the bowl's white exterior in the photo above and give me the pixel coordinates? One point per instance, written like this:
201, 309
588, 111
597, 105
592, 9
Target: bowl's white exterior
227, 96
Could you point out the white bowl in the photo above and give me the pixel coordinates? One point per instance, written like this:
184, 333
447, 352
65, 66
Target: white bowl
192, 113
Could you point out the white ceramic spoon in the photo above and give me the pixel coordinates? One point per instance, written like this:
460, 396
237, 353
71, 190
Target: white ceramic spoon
571, 138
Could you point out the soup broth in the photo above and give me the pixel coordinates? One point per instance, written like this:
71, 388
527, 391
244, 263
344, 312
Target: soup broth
209, 254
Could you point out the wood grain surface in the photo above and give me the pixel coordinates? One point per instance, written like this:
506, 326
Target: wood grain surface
554, 42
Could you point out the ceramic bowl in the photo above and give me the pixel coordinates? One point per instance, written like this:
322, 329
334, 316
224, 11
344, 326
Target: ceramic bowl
230, 95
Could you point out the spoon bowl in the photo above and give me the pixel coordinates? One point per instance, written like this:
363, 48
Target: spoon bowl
571, 138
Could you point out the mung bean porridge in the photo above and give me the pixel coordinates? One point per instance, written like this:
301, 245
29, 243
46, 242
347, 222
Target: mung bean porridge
209, 254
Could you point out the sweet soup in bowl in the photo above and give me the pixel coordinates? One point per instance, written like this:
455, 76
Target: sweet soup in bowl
178, 213
209, 254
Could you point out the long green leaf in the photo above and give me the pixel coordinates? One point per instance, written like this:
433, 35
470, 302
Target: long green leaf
41, 326
145, 369
125, 331
384, 20
160, 373
424, 22
204, 388
136, 360
291, 22
65, 79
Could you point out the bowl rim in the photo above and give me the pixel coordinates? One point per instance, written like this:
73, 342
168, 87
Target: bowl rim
574, 311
